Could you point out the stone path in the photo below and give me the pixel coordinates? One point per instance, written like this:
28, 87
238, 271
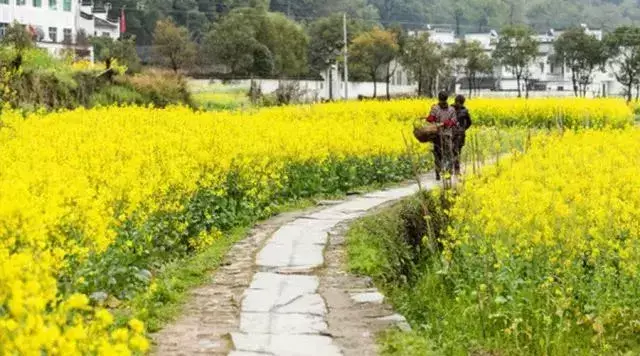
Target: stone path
282, 311
283, 291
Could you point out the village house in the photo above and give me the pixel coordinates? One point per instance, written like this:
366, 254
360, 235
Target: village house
57, 23
546, 74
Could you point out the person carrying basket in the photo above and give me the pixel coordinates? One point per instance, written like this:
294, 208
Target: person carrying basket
444, 116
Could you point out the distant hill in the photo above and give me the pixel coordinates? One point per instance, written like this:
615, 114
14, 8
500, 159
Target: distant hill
465, 15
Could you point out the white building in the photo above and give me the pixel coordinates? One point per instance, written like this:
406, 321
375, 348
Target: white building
545, 73
58, 22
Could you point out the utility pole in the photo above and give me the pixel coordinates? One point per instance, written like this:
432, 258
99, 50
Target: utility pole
346, 59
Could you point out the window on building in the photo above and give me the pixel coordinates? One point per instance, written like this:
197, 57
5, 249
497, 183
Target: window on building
105, 34
5, 2
68, 38
21, 2
53, 4
66, 5
53, 34
37, 3
542, 67
551, 68
3, 28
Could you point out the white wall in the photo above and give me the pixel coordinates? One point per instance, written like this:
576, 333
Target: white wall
41, 16
113, 32
315, 90
56, 49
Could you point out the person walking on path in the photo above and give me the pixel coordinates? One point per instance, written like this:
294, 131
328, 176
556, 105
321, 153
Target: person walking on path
444, 116
460, 132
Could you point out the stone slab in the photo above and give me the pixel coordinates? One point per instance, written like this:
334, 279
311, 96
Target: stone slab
270, 291
334, 216
275, 255
398, 320
275, 323
393, 318
361, 205
248, 353
306, 304
286, 345
268, 301
275, 281
299, 244
308, 256
375, 297
303, 255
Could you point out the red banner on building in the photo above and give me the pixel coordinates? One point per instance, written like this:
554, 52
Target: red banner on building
123, 22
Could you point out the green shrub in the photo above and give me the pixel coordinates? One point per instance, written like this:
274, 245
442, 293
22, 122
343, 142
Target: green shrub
162, 88
116, 94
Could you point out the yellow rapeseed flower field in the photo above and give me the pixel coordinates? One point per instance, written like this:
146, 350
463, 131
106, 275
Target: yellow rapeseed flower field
90, 198
551, 240
72, 182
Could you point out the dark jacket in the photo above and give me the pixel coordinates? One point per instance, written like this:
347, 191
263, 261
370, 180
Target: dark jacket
463, 116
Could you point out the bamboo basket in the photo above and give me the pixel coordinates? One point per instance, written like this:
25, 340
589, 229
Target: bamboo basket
426, 134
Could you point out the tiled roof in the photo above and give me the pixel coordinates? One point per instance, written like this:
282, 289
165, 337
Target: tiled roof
104, 23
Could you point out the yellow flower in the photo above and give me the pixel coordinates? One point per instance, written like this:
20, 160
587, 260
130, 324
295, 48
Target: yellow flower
78, 301
139, 343
120, 335
136, 325
104, 317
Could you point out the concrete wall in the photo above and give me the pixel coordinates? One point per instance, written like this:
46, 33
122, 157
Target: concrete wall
532, 94
314, 90
56, 49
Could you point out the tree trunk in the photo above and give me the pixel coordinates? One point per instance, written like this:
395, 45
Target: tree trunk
375, 85
420, 83
629, 91
574, 81
476, 86
388, 81
174, 65
637, 91
330, 84
518, 84
470, 81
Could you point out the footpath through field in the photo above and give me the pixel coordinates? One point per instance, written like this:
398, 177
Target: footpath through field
289, 295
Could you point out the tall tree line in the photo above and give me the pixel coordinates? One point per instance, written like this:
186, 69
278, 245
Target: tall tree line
198, 16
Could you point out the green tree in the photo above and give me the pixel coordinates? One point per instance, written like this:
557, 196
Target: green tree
288, 42
374, 51
470, 60
623, 51
308, 9
424, 59
409, 12
582, 53
172, 46
516, 49
233, 43
326, 40
19, 37
123, 50
231, 46
253, 41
